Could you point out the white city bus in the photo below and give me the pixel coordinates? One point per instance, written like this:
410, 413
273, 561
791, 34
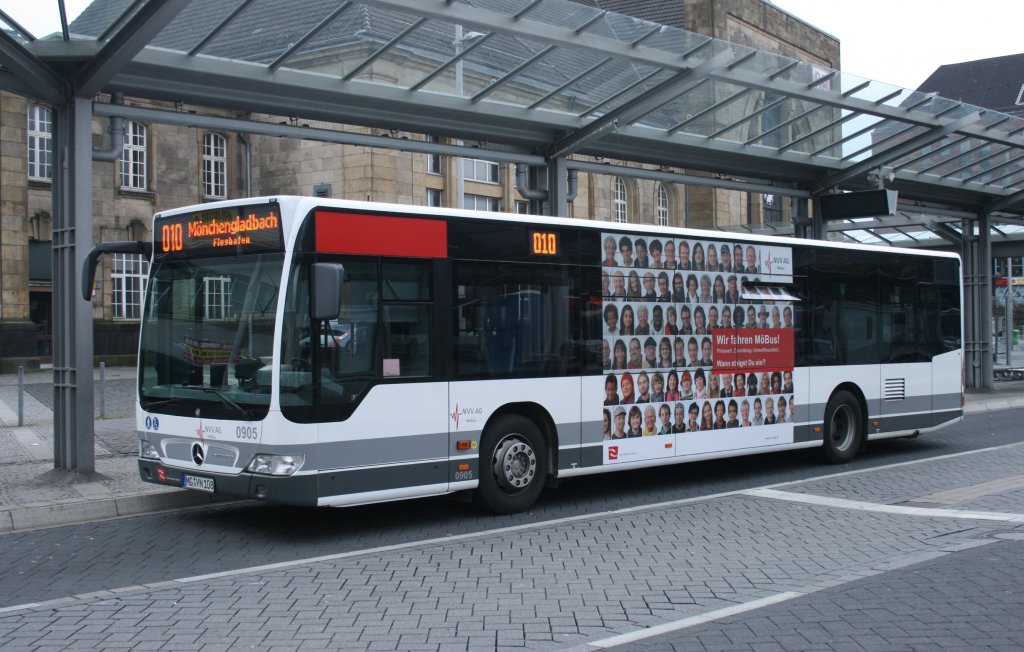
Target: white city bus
323, 352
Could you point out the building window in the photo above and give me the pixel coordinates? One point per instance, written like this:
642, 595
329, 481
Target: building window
999, 266
434, 197
771, 119
480, 203
771, 208
433, 160
474, 169
40, 143
128, 285
662, 217
217, 297
215, 166
522, 207
133, 158
621, 201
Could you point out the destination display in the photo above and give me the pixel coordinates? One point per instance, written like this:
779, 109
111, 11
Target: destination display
219, 232
544, 243
698, 346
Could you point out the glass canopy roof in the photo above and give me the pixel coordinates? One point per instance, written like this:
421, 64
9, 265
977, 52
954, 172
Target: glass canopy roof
553, 77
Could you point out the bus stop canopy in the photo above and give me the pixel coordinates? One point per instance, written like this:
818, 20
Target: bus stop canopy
549, 77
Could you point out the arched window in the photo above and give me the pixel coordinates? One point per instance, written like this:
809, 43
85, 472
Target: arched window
621, 201
133, 157
215, 166
662, 216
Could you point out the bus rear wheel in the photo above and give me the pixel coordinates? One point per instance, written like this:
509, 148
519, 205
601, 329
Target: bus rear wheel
513, 463
844, 428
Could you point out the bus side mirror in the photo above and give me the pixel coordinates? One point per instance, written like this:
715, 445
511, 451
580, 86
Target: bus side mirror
326, 300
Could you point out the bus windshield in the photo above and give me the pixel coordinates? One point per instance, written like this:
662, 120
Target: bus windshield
207, 336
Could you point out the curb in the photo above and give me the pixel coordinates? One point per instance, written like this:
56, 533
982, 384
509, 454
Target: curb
82, 511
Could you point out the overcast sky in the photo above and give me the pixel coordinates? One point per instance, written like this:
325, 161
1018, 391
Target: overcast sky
902, 42
899, 42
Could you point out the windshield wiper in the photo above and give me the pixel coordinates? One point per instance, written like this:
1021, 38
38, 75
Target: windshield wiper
155, 403
227, 400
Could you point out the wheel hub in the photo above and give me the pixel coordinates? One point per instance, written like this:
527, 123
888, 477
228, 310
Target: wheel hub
514, 464
842, 428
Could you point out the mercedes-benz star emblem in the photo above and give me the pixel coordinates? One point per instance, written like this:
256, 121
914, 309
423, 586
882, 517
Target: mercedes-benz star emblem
198, 454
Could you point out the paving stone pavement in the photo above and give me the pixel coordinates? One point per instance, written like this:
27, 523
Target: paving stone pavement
967, 600
1000, 469
31, 495
572, 584
543, 587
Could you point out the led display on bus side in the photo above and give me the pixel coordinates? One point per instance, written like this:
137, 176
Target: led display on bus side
219, 232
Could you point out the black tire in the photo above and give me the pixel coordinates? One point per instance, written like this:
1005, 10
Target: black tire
844, 428
513, 465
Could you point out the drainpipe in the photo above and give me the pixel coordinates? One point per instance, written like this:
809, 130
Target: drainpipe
244, 139
116, 136
522, 184
573, 186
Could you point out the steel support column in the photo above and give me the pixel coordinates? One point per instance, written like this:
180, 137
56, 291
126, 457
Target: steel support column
972, 362
818, 229
977, 336
800, 217
557, 181
73, 436
983, 287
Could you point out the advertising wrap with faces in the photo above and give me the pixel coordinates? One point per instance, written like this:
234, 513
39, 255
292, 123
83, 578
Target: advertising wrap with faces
696, 339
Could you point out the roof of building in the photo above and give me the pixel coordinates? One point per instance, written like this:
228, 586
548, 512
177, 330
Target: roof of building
996, 83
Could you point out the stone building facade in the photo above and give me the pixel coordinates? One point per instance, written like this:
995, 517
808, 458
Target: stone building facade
166, 166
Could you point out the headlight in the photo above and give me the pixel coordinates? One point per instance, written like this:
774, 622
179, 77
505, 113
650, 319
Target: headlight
275, 464
148, 451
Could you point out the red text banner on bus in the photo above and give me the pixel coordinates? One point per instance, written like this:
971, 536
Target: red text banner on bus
380, 235
752, 349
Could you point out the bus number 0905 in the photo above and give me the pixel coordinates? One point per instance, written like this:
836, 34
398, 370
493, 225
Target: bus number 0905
245, 432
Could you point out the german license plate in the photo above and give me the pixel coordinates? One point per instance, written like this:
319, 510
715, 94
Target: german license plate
197, 482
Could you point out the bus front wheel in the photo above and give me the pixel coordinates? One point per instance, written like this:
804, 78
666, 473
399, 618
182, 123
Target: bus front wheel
513, 463
844, 428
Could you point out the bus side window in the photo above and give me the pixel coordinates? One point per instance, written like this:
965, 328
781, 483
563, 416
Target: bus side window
408, 311
515, 320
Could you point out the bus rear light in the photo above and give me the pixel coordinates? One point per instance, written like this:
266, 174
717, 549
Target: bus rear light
875, 424
463, 445
265, 464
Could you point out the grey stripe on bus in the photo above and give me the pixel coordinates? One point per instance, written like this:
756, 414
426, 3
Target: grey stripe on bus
339, 483
947, 401
593, 432
413, 448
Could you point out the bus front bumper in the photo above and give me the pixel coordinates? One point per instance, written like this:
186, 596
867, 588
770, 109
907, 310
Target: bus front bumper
289, 490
